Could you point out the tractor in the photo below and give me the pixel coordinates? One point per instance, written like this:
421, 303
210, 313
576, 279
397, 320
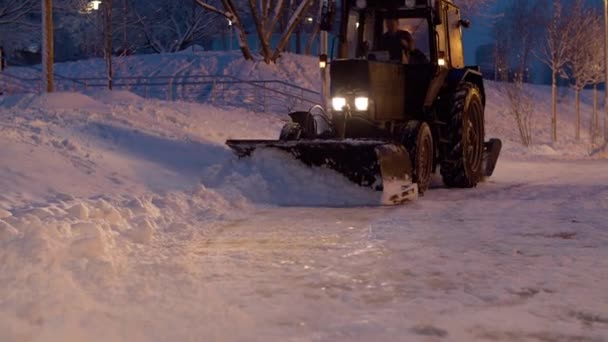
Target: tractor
385, 120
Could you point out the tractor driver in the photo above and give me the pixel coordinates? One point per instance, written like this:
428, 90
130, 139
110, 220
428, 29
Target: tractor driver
400, 44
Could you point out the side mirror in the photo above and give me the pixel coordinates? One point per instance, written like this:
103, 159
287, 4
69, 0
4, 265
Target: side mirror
464, 23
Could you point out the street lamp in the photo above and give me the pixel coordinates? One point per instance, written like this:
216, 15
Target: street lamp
91, 6
231, 32
95, 5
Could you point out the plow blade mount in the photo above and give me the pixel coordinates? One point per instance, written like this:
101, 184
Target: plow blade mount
379, 165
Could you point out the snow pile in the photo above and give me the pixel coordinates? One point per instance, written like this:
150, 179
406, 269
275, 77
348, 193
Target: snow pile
63, 260
277, 178
96, 187
117, 140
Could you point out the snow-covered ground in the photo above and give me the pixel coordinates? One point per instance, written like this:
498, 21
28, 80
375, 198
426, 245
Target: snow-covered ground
127, 219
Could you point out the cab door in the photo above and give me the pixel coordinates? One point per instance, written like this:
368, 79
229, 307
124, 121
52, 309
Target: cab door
454, 32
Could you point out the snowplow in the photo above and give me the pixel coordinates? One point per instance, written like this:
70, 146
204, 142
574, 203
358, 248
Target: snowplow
398, 103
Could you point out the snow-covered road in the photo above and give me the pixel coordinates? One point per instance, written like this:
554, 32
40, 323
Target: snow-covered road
522, 258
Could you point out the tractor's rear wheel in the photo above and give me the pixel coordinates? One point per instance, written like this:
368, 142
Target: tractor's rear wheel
418, 141
461, 167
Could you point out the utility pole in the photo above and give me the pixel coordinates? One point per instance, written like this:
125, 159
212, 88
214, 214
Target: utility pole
48, 54
606, 70
107, 30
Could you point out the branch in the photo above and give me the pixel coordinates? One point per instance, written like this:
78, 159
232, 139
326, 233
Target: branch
291, 25
278, 9
227, 15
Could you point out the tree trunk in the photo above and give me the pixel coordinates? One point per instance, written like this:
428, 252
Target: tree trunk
125, 40
241, 35
48, 50
107, 28
259, 25
554, 104
595, 125
279, 7
291, 25
577, 100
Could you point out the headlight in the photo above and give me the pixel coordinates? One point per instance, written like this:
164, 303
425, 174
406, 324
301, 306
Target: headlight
338, 103
361, 103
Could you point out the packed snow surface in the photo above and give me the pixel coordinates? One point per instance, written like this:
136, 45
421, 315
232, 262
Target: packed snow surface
128, 219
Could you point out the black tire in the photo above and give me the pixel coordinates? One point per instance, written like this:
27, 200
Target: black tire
418, 141
462, 165
291, 131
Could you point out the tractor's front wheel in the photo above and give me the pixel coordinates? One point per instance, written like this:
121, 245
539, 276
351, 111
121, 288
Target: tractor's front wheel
291, 131
461, 166
418, 140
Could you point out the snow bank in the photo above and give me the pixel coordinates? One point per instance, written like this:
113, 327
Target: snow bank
113, 140
302, 71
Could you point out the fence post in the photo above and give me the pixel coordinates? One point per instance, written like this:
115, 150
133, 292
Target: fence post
264, 99
212, 92
2, 65
257, 97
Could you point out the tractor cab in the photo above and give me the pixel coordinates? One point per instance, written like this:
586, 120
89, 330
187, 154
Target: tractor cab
393, 56
434, 25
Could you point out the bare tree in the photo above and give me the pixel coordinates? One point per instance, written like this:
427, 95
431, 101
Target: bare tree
265, 15
125, 28
15, 11
597, 75
555, 53
516, 34
16, 29
173, 26
580, 68
233, 16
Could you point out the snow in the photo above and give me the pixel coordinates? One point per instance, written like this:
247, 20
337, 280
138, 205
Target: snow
124, 218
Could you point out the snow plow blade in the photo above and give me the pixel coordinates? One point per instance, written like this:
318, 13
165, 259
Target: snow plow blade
378, 165
491, 151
